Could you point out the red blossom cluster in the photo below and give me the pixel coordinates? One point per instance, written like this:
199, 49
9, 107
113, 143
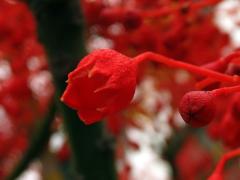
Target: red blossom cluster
23, 69
147, 39
226, 105
182, 30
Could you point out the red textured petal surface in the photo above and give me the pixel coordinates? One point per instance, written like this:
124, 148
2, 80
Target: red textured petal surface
103, 83
197, 108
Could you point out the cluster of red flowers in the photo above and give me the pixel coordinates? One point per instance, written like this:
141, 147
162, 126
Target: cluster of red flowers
182, 30
23, 77
147, 38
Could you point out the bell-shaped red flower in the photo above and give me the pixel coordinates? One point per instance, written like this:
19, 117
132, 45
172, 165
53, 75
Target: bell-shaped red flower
103, 83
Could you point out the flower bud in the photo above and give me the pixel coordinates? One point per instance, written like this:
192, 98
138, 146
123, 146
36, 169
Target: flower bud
197, 108
103, 83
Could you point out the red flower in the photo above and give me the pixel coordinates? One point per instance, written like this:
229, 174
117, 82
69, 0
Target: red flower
103, 83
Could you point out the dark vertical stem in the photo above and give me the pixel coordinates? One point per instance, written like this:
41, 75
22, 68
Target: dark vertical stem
60, 28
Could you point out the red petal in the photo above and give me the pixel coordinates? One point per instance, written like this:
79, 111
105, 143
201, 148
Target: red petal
90, 116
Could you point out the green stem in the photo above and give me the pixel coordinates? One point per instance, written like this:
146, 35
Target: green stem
37, 143
60, 29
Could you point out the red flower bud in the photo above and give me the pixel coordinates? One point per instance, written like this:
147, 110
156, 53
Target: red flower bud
197, 108
103, 83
